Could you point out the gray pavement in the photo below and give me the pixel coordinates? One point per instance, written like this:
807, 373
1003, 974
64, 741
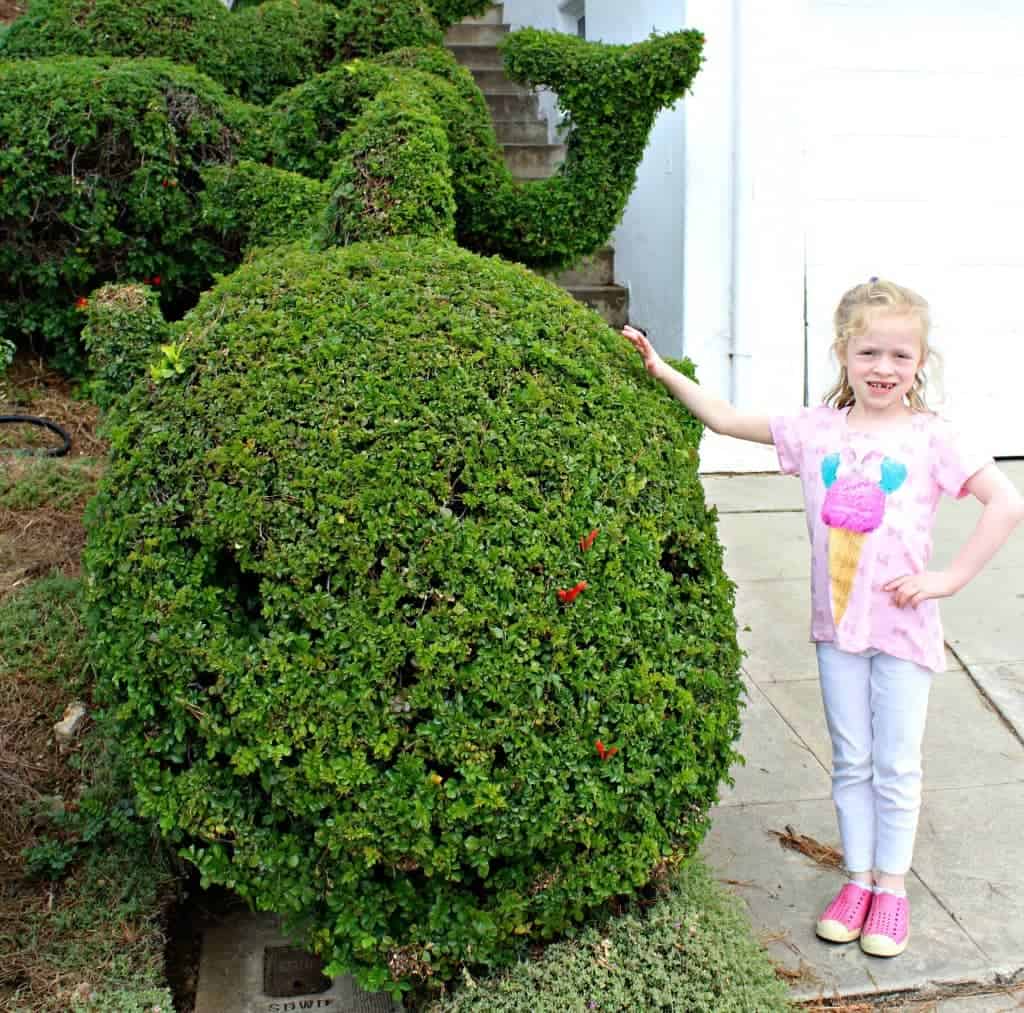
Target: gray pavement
966, 887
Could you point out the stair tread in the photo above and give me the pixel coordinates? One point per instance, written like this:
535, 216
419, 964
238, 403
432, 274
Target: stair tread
533, 145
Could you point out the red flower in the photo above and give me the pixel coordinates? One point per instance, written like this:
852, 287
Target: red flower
165, 184
586, 541
605, 752
155, 279
81, 303
567, 597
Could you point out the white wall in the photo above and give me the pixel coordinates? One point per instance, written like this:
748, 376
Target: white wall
649, 244
914, 174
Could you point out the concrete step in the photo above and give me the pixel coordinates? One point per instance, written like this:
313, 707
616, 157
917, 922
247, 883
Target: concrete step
513, 107
481, 57
521, 131
611, 301
464, 34
492, 16
533, 161
595, 271
492, 81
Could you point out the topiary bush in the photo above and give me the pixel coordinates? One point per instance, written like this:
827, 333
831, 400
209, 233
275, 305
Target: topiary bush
408, 605
113, 189
254, 54
393, 175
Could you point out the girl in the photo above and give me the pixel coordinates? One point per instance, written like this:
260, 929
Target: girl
873, 462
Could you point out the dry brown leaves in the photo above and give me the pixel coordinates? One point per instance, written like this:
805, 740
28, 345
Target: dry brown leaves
11, 9
823, 854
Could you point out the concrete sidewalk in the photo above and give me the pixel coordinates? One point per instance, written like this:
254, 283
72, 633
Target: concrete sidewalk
966, 888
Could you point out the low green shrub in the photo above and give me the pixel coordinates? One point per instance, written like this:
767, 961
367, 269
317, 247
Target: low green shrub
369, 27
448, 12
445, 12
329, 574
123, 331
691, 951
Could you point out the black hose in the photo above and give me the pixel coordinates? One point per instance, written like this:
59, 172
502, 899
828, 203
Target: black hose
46, 424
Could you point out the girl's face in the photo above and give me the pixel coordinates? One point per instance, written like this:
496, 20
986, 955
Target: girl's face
882, 362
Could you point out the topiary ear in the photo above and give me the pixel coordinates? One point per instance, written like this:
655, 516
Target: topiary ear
894, 475
829, 468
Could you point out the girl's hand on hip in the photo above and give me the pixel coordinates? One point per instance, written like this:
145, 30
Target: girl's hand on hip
914, 588
653, 363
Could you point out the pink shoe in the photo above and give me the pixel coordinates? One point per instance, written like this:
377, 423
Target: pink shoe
841, 921
887, 928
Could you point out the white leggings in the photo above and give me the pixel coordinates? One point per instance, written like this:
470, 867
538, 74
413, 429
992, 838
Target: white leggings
875, 706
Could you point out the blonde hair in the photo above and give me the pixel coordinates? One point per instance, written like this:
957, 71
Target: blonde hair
852, 319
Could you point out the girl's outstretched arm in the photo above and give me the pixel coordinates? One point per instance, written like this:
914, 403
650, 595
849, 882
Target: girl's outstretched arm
1004, 510
718, 415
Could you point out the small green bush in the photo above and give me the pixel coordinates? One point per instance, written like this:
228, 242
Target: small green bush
445, 12
369, 27
324, 569
448, 12
123, 331
691, 951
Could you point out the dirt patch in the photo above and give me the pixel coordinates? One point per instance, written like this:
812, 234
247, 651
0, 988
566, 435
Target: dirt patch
30, 388
9, 10
32, 771
44, 535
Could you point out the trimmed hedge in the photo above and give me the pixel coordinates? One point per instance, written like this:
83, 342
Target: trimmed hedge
324, 568
119, 176
99, 181
254, 54
249, 204
446, 12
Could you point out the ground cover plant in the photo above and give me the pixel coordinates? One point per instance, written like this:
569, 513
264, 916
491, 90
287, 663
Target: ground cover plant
403, 597
688, 949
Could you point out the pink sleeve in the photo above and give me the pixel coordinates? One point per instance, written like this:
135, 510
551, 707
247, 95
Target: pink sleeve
788, 438
954, 459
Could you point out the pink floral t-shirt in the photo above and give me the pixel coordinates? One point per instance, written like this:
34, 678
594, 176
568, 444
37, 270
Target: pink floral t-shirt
870, 500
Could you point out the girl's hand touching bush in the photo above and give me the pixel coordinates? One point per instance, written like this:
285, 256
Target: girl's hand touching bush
653, 363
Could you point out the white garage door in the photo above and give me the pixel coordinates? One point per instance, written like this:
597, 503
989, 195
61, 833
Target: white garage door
915, 172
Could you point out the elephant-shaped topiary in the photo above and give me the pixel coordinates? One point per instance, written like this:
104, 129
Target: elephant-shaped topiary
402, 587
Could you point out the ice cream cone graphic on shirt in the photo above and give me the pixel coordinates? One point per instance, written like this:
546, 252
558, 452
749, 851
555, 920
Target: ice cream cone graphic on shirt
854, 507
